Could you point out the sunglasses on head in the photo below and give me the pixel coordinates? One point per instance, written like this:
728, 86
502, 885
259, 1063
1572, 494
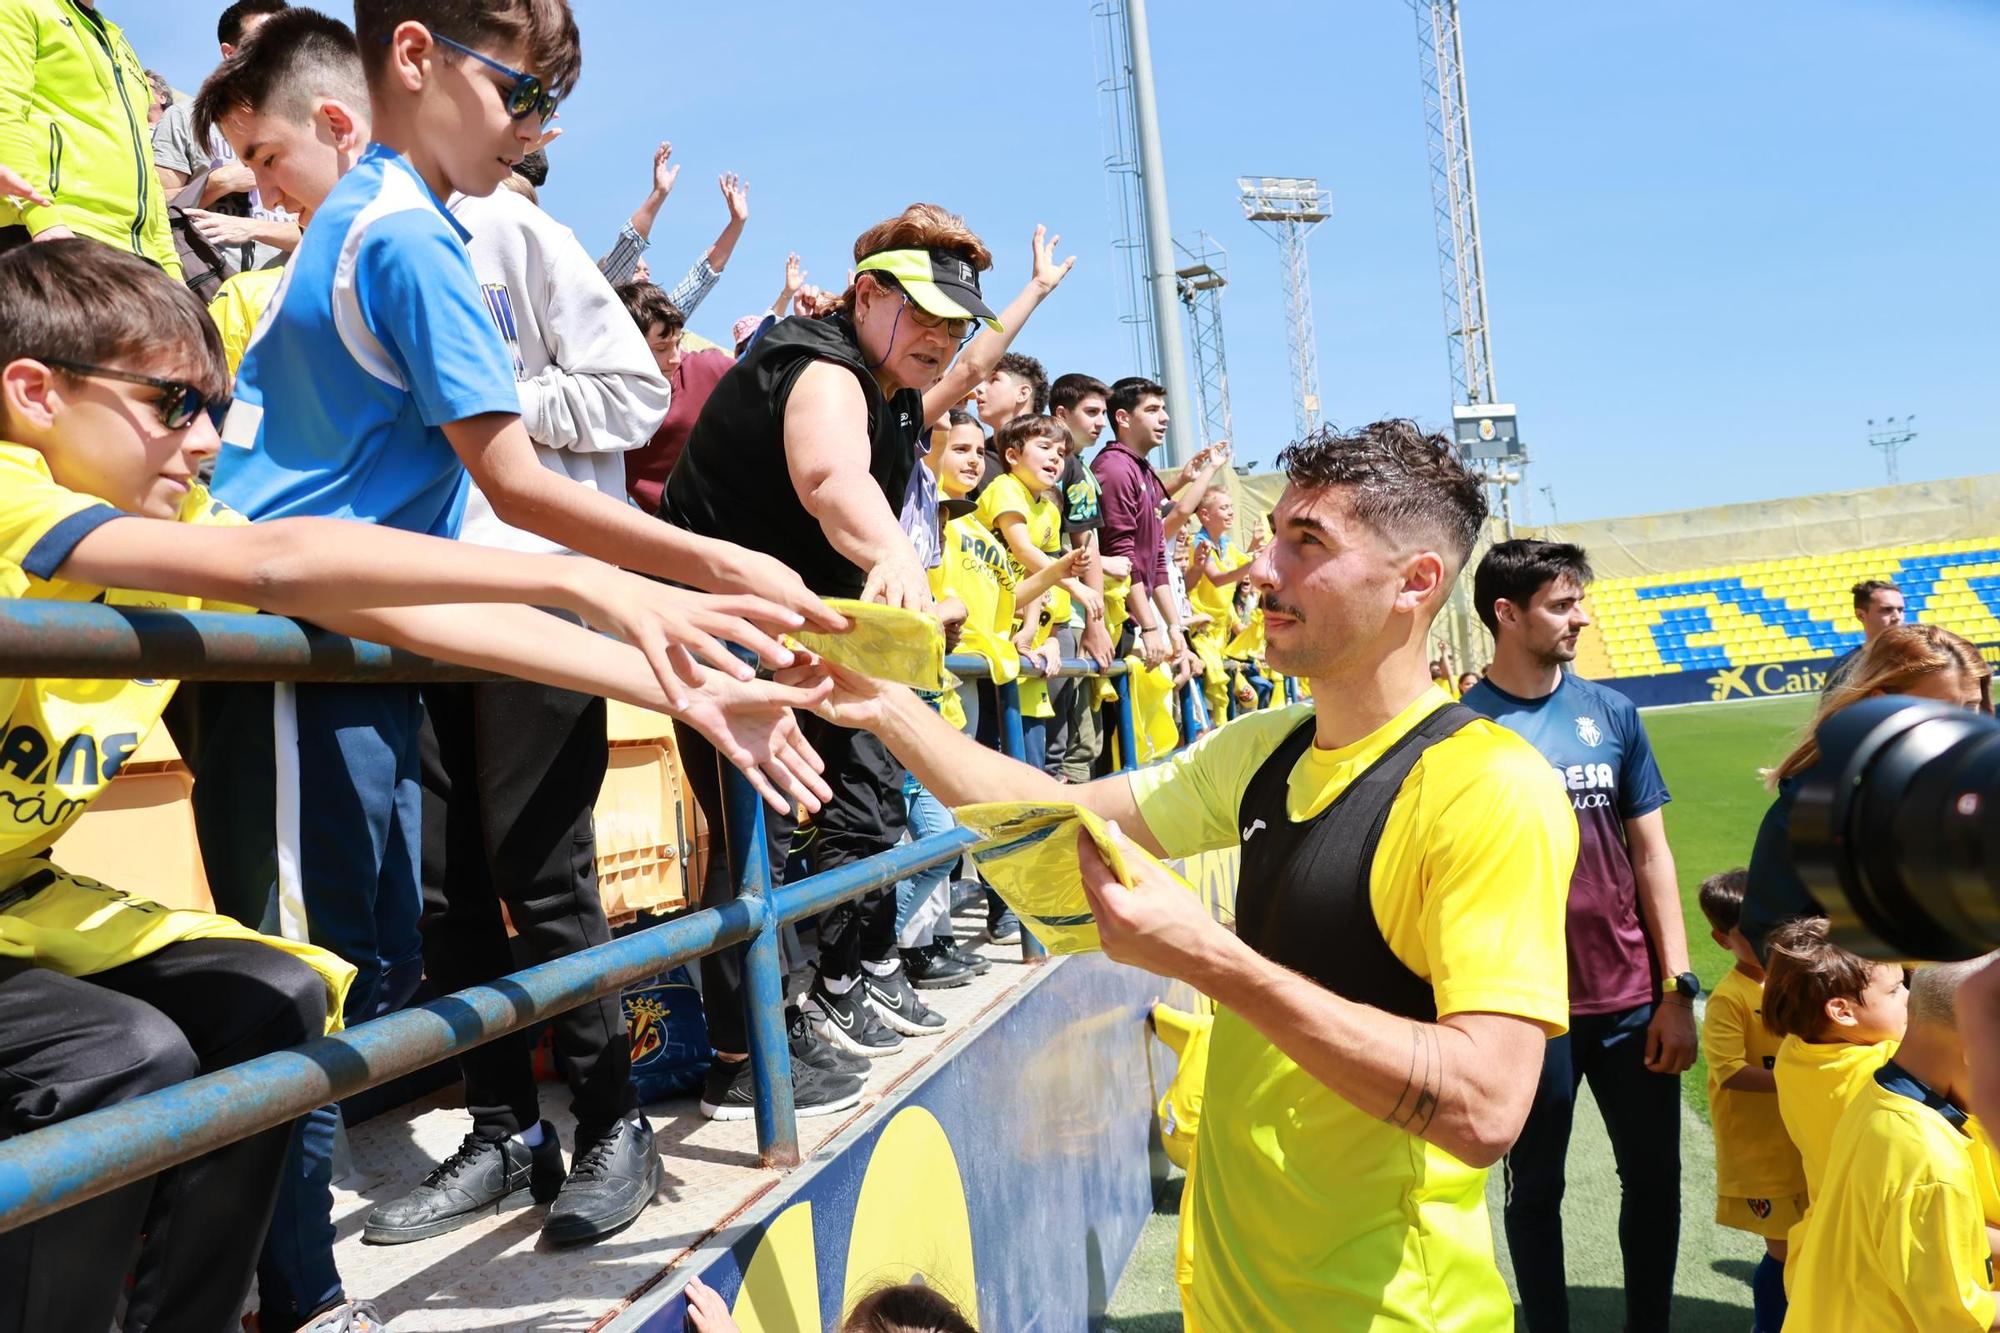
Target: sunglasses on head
526, 95
179, 402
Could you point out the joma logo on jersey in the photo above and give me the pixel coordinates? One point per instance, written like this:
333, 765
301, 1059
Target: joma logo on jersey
31, 757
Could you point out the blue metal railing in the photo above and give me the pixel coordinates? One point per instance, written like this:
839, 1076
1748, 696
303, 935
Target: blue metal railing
65, 1164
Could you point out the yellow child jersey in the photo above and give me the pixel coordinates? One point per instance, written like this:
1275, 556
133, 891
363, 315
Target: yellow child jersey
66, 739
1754, 1157
1008, 494
978, 571
1816, 1081
239, 307
1308, 1212
1985, 1168
1897, 1237
1218, 603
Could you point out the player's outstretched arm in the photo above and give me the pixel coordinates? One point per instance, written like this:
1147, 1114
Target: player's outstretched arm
957, 769
316, 568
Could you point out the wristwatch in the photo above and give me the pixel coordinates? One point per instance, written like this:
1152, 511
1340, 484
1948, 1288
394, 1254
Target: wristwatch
1686, 984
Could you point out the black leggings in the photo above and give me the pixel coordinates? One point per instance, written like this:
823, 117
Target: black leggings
70, 1045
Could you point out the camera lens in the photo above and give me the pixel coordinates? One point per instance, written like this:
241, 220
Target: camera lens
1896, 835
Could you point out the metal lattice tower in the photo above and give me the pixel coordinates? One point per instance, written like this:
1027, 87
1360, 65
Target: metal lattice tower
1203, 273
1455, 199
1288, 208
1890, 437
1121, 177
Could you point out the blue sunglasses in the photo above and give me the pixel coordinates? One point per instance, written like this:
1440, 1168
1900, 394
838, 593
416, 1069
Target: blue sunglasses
525, 96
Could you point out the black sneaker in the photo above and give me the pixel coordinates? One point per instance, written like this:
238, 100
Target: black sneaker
928, 969
482, 1178
976, 963
731, 1092
850, 1022
807, 1048
610, 1183
897, 1001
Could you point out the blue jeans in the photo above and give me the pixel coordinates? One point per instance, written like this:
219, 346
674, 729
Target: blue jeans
923, 902
1642, 1112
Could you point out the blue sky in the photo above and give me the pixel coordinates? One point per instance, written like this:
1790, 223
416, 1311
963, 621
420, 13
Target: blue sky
1719, 236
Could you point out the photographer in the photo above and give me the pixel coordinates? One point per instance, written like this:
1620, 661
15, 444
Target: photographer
1922, 661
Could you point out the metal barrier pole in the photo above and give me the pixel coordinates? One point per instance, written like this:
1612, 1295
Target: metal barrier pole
1128, 745
1190, 714
763, 975
50, 1169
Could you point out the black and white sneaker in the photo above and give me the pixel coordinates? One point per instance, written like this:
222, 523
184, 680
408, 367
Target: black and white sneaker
901, 1009
849, 1021
730, 1093
808, 1049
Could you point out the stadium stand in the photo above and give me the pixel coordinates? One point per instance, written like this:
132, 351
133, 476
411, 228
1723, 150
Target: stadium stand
1782, 610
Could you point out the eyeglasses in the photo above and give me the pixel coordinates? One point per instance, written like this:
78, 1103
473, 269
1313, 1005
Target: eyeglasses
179, 402
961, 329
527, 93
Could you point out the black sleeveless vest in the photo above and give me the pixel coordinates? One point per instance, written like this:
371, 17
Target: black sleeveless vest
1303, 897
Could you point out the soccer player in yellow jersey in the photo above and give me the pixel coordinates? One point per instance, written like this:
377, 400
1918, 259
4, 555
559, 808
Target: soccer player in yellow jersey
108, 369
1760, 1185
1897, 1240
1840, 1016
1398, 963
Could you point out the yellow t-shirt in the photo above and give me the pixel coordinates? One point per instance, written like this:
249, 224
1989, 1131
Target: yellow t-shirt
1311, 1213
1008, 494
65, 739
1897, 1237
1219, 604
1816, 1081
978, 571
238, 308
1754, 1157
1986, 1169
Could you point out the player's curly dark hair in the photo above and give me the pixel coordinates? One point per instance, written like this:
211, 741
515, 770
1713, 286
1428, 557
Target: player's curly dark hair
1400, 481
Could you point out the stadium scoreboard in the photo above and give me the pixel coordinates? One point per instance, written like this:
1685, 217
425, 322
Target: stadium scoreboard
1486, 431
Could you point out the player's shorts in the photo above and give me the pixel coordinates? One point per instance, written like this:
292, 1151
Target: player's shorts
1769, 1218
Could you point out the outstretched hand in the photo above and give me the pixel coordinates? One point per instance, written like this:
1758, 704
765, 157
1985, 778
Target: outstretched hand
751, 725
738, 569
736, 194
13, 185
853, 701
1048, 274
664, 175
678, 631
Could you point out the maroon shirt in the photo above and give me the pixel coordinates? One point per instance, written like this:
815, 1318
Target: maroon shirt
646, 467
1130, 496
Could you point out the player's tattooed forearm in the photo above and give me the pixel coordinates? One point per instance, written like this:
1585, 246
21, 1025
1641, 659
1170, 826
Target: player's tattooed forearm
1418, 1104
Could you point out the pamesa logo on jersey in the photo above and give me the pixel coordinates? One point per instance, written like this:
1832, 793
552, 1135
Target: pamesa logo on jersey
1589, 732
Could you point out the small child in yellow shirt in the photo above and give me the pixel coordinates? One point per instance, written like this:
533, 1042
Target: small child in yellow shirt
1760, 1183
1840, 1017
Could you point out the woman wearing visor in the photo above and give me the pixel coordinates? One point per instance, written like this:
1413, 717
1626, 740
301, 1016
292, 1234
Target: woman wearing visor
808, 450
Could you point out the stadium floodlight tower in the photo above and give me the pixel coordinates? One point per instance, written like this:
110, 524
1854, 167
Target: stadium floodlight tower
1483, 426
1203, 273
1890, 437
1288, 208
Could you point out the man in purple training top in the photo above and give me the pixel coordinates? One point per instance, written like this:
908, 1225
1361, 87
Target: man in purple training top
1632, 1028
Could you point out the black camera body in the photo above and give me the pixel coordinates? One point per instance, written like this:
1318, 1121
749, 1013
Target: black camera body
1896, 832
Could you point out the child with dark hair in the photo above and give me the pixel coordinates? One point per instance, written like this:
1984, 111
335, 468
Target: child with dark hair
907, 1307
1840, 1016
1760, 1183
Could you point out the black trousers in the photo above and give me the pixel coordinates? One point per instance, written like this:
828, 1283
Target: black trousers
511, 771
866, 816
70, 1045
